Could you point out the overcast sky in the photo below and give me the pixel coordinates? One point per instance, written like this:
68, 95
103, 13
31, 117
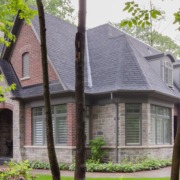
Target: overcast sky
104, 11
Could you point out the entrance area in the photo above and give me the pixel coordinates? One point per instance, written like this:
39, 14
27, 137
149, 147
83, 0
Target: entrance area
6, 133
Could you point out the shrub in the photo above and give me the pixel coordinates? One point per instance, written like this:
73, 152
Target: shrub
97, 152
17, 171
126, 166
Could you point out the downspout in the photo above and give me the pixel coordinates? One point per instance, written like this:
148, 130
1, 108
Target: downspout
116, 128
117, 132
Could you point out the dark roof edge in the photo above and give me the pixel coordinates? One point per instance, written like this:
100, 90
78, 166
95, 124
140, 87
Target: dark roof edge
6, 52
135, 91
169, 54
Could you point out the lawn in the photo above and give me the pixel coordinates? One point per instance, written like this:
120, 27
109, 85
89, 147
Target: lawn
48, 177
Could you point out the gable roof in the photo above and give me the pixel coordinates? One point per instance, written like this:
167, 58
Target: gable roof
116, 62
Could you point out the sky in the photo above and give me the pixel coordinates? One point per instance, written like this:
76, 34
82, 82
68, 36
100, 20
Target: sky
104, 11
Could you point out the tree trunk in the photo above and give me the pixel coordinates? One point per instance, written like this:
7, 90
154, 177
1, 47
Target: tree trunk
80, 100
49, 128
176, 157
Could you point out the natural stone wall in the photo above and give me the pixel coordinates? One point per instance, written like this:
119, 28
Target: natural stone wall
64, 154
103, 123
18, 123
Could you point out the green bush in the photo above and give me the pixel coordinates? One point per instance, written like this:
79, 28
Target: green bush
125, 166
97, 153
17, 171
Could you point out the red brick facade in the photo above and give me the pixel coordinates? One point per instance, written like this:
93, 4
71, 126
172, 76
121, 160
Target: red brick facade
71, 127
28, 127
27, 42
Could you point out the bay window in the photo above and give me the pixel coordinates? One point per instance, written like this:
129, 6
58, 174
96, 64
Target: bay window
160, 125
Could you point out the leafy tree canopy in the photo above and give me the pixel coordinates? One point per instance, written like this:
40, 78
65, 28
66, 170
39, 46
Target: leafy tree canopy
59, 8
8, 10
153, 38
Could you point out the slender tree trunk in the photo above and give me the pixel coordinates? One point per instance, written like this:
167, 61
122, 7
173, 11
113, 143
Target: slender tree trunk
176, 157
49, 128
80, 100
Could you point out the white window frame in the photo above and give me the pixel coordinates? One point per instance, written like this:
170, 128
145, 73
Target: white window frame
168, 73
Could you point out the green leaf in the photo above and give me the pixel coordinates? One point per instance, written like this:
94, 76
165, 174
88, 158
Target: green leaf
130, 10
123, 23
134, 22
130, 24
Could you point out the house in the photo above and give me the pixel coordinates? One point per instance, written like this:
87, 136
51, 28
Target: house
132, 93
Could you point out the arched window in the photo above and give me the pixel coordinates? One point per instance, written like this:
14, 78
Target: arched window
25, 65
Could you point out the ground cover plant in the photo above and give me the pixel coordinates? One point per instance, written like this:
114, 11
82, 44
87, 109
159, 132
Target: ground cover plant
125, 166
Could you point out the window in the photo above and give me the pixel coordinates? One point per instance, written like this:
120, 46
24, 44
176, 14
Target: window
25, 65
59, 125
133, 124
168, 71
160, 125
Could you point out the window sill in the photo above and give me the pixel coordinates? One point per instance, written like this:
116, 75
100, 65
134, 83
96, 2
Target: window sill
45, 147
25, 78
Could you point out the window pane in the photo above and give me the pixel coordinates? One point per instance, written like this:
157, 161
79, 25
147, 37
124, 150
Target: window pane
153, 130
25, 64
160, 125
38, 111
38, 131
60, 109
159, 131
133, 124
61, 130
166, 131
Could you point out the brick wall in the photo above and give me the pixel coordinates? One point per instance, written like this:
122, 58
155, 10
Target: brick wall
27, 42
28, 127
71, 124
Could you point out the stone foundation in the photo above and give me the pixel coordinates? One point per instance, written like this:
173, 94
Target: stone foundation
34, 153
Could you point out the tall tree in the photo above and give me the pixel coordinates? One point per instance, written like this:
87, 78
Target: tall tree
59, 8
49, 127
79, 90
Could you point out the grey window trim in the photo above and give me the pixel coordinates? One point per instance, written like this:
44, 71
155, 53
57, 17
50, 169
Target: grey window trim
163, 117
140, 124
54, 117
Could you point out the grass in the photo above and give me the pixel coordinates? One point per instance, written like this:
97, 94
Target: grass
48, 177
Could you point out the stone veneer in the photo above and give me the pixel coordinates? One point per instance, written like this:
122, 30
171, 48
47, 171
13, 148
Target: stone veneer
103, 124
64, 154
17, 121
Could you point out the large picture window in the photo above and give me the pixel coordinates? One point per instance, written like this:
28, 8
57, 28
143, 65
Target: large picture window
160, 125
133, 124
59, 125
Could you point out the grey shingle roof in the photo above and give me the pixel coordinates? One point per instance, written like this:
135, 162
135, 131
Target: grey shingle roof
117, 60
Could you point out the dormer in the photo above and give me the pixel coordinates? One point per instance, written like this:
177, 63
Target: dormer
163, 66
176, 73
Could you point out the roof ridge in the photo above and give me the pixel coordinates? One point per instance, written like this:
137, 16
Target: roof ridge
129, 35
143, 72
